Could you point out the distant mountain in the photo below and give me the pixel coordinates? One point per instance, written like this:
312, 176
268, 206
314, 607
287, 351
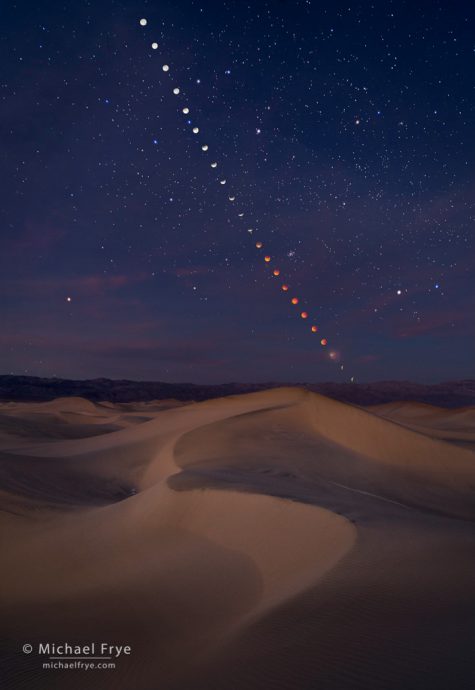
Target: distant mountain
32, 388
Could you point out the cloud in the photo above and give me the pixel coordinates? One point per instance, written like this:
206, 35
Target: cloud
86, 285
445, 323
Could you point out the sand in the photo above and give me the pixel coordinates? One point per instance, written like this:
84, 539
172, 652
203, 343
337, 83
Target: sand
272, 540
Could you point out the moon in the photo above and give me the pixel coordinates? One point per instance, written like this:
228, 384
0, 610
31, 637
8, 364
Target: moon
267, 258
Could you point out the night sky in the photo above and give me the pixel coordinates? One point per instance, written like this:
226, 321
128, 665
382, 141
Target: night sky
346, 133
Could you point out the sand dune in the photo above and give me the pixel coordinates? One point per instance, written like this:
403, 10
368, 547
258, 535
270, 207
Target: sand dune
71, 418
277, 539
454, 426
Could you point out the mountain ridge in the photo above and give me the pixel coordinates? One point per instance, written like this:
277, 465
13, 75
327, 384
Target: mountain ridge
460, 393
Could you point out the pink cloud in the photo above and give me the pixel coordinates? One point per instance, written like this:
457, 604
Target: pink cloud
85, 285
441, 323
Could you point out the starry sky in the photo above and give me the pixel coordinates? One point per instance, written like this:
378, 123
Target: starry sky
345, 130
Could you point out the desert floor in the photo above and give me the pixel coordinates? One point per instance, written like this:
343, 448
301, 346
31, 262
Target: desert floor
277, 540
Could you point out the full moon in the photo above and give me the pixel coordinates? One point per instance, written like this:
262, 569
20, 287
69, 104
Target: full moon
143, 22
